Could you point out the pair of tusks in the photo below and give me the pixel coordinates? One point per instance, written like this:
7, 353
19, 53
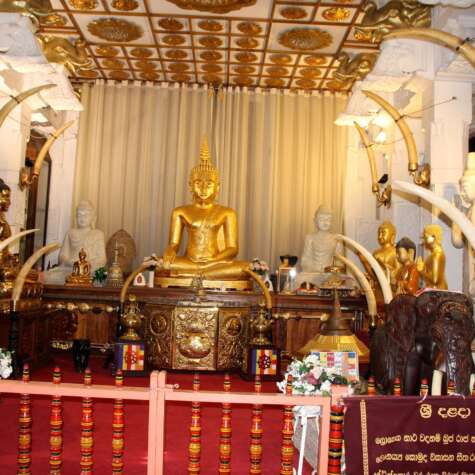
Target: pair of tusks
378, 271
14, 101
440, 37
443, 205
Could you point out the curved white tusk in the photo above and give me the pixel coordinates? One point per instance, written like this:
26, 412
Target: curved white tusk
20, 280
364, 283
383, 281
370, 152
15, 237
443, 205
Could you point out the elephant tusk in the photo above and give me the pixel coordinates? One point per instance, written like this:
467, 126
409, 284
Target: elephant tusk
440, 37
383, 281
14, 101
261, 284
372, 161
365, 285
20, 280
6, 242
443, 205
403, 127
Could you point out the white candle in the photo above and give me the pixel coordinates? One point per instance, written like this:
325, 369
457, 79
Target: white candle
436, 389
151, 278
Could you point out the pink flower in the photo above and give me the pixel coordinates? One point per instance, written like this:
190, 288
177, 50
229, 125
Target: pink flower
311, 378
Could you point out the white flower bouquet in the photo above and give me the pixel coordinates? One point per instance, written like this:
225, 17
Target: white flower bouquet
5, 364
310, 378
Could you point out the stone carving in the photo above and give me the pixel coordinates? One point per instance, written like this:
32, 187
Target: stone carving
394, 14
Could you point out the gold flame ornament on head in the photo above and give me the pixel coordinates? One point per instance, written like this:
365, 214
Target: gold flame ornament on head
25, 178
382, 197
205, 169
453, 42
421, 175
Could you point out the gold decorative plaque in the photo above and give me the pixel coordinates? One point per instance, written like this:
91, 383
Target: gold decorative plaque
304, 39
173, 40
210, 41
274, 82
243, 80
305, 83
247, 43
125, 5
293, 13
281, 58
149, 76
83, 4
145, 65
315, 59
178, 67
119, 75
363, 36
310, 73
336, 14
244, 69
246, 57
176, 54
170, 24
115, 29
87, 73
210, 25
53, 19
277, 71
113, 64
213, 6
181, 77
212, 78
211, 56
334, 85
249, 28
211, 68
108, 51
141, 52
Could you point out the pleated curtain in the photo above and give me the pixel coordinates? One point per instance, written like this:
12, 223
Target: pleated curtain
279, 155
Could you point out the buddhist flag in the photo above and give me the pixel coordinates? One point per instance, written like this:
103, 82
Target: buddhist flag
131, 357
264, 361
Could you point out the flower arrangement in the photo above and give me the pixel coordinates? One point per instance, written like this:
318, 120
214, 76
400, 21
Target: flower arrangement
5, 364
309, 377
258, 266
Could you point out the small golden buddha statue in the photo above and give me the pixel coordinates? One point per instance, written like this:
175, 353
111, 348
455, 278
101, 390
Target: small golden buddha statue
386, 254
407, 276
205, 221
433, 268
81, 274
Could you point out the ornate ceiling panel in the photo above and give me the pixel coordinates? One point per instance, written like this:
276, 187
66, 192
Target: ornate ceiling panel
256, 43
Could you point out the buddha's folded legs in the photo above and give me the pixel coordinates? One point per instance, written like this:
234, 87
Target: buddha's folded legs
212, 270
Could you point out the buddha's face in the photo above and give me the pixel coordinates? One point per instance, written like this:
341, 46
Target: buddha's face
404, 255
82, 255
429, 239
385, 235
5, 200
84, 217
467, 185
323, 221
204, 189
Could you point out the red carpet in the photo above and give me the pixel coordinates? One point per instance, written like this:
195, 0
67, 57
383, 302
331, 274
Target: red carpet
136, 415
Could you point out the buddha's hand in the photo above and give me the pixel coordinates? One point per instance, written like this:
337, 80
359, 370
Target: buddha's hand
169, 257
420, 264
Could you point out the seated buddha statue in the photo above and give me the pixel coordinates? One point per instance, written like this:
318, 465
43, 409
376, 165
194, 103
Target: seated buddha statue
212, 243
81, 274
407, 276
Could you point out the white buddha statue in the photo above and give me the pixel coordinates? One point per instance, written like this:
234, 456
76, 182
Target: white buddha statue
86, 237
320, 246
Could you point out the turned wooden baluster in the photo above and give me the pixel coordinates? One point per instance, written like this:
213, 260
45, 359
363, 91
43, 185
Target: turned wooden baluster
424, 391
87, 428
371, 386
336, 440
397, 386
225, 432
194, 447
24, 429
56, 429
255, 449
450, 387
118, 429
287, 449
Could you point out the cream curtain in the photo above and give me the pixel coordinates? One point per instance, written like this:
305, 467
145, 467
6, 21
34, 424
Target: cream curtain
279, 155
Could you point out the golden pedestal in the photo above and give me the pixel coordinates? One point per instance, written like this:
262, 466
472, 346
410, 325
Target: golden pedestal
196, 336
165, 281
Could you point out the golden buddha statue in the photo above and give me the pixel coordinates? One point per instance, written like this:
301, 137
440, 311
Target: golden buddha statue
433, 268
407, 277
81, 274
212, 232
386, 254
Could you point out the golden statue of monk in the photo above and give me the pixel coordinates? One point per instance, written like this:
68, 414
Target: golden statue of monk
208, 224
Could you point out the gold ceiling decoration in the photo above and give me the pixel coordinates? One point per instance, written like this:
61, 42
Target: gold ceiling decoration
280, 58
305, 83
176, 54
210, 25
119, 75
249, 28
210, 41
212, 78
108, 51
53, 19
141, 52
293, 13
125, 5
178, 67
115, 29
181, 77
247, 43
213, 6
315, 60
87, 73
334, 85
83, 4
310, 73
145, 65
149, 76
274, 82
173, 40
363, 36
170, 24
276, 71
336, 14
304, 39
243, 70
113, 64
246, 57
211, 68
243, 80
211, 56
355, 68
